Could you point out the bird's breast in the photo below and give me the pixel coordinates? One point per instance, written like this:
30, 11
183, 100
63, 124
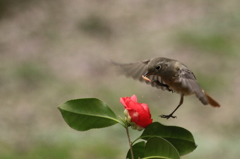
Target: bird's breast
177, 85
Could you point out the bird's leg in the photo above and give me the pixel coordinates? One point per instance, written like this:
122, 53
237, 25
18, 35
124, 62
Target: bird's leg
163, 85
171, 115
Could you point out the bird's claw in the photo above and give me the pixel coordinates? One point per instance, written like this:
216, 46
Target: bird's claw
168, 116
169, 89
162, 85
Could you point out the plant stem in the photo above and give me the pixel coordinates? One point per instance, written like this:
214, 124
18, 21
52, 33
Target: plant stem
130, 143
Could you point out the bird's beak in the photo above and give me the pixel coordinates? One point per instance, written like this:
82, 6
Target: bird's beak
144, 76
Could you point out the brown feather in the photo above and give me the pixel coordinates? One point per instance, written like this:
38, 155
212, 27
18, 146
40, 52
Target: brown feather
211, 101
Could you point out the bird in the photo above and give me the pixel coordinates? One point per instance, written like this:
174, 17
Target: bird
167, 74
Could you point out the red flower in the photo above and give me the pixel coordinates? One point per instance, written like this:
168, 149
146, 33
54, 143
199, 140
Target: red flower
137, 113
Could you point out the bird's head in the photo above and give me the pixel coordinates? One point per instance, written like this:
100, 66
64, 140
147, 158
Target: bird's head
156, 66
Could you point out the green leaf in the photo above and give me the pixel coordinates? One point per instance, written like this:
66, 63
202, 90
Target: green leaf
138, 150
157, 147
179, 137
87, 113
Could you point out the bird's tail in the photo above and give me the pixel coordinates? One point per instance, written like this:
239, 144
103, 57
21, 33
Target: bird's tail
211, 101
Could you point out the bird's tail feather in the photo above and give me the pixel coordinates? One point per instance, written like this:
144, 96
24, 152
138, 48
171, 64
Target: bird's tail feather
211, 101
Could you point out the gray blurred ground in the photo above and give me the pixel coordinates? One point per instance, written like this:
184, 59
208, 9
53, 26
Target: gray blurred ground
53, 51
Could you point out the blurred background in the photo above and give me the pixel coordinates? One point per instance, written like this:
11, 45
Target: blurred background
54, 51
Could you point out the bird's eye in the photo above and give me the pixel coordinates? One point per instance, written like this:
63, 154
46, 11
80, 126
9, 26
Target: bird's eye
158, 68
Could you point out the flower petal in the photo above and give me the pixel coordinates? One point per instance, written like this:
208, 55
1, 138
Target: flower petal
138, 113
145, 107
122, 100
134, 116
134, 98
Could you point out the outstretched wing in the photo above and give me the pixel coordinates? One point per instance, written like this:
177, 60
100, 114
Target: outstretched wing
188, 80
136, 70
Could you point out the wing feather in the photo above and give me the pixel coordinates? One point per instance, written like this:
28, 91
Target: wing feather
136, 70
189, 81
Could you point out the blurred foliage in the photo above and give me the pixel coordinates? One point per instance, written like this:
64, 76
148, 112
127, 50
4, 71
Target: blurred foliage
210, 42
39, 150
50, 53
210, 82
7, 7
95, 25
32, 75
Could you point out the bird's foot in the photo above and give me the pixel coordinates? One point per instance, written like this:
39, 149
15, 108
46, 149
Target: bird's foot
163, 85
168, 116
169, 89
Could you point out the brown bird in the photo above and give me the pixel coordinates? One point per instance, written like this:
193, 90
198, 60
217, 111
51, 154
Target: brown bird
167, 74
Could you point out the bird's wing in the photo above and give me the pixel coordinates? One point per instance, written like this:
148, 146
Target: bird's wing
136, 70
188, 80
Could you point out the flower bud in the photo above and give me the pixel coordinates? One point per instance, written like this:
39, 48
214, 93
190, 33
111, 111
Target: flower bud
137, 114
